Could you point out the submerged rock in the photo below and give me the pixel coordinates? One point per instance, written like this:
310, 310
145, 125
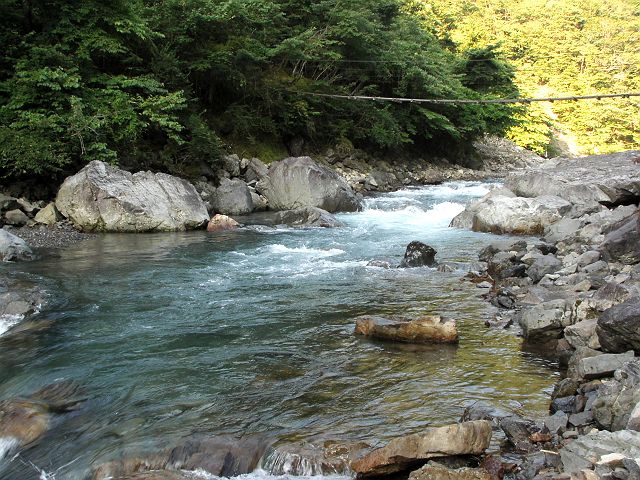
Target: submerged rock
469, 438
300, 182
307, 217
103, 198
13, 248
419, 254
427, 329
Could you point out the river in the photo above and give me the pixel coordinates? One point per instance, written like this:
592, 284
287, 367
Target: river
251, 331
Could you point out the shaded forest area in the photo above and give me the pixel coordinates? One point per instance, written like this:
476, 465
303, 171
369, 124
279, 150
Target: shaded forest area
169, 84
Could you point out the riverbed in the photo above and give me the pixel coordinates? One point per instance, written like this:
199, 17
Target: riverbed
251, 332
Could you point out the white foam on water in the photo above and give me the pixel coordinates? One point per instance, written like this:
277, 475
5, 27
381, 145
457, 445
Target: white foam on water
316, 252
440, 214
6, 322
260, 474
7, 444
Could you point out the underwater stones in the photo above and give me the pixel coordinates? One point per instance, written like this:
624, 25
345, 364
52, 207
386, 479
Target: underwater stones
468, 438
418, 254
426, 329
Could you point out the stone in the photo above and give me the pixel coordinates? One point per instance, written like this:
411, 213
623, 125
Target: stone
49, 215
583, 334
545, 321
8, 203
219, 223
587, 450
484, 284
418, 254
231, 163
581, 419
232, 197
617, 398
439, 472
563, 404
469, 438
13, 248
562, 230
602, 365
300, 182
103, 198
260, 203
587, 258
500, 213
518, 431
557, 422
426, 329
255, 170
16, 218
542, 266
606, 179
599, 266
622, 243
618, 328
307, 217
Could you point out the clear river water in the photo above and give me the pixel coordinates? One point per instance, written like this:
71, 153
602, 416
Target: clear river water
251, 331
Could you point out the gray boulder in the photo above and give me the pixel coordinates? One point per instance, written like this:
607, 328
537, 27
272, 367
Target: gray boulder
13, 248
307, 217
232, 197
607, 179
545, 321
618, 397
418, 254
587, 451
103, 198
619, 327
49, 215
231, 164
254, 170
622, 243
499, 212
543, 265
300, 182
16, 217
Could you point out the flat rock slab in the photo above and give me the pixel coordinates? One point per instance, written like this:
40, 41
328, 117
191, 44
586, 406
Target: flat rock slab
468, 438
603, 365
427, 329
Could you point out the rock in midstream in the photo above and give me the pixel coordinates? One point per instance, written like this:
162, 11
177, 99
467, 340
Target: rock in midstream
425, 329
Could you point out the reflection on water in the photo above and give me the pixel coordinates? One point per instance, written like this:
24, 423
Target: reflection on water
251, 331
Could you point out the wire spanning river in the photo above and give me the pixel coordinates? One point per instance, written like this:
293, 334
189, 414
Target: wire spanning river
251, 331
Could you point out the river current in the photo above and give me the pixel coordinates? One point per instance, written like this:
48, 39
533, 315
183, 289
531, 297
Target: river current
251, 332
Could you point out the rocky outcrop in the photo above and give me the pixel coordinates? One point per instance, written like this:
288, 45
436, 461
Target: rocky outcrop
103, 198
469, 438
622, 243
418, 254
300, 182
307, 217
502, 212
618, 328
617, 398
427, 329
232, 197
219, 223
13, 248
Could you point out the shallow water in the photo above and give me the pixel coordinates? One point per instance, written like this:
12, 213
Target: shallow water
251, 331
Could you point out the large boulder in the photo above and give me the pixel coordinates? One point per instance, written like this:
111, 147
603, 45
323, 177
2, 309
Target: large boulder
427, 329
49, 215
468, 438
307, 217
300, 182
418, 254
622, 243
619, 327
232, 197
607, 179
501, 212
103, 198
543, 265
13, 248
545, 321
618, 397
220, 223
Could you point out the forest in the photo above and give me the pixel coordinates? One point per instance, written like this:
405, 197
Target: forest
168, 84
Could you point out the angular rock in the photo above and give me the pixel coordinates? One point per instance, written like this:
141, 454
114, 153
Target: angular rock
618, 328
562, 230
518, 430
617, 398
587, 450
260, 203
496, 213
440, 472
300, 182
219, 223
232, 197
255, 170
582, 334
621, 244
469, 438
542, 266
307, 217
231, 163
602, 365
49, 215
16, 218
103, 198
545, 321
418, 254
427, 329
557, 422
13, 248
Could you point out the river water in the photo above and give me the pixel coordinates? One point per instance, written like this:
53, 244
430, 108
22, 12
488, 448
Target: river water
251, 331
